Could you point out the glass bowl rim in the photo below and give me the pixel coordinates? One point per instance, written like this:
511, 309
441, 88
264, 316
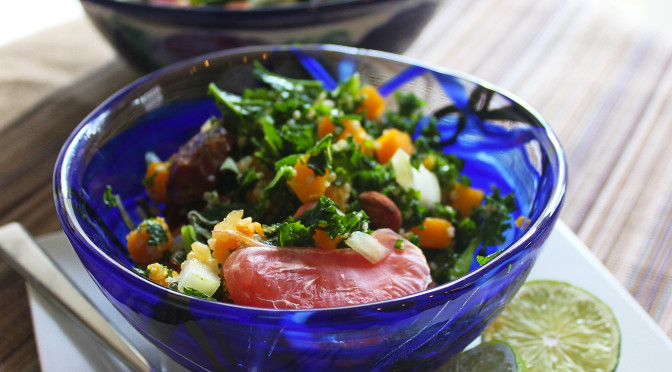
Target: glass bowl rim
537, 228
269, 10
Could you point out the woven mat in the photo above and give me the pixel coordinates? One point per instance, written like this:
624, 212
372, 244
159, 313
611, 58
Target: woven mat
602, 82
605, 86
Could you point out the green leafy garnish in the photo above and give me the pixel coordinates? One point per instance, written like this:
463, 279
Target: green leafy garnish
149, 181
463, 262
188, 237
482, 260
196, 293
157, 235
282, 123
141, 272
320, 160
282, 83
112, 201
484, 227
324, 216
406, 118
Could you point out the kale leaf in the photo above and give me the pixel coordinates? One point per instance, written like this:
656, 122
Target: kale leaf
324, 216
484, 227
114, 200
157, 235
196, 293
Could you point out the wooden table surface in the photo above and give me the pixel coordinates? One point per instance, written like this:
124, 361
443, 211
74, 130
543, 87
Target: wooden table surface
603, 83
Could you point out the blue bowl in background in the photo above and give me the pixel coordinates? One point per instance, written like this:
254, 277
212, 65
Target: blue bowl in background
151, 36
502, 140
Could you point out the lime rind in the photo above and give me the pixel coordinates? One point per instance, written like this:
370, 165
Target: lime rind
495, 356
557, 326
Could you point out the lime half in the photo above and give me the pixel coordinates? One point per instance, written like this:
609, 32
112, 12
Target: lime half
556, 326
496, 356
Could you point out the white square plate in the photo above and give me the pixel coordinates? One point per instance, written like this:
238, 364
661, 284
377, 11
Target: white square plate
62, 346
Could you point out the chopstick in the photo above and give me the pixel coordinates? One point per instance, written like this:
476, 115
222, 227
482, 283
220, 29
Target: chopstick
20, 251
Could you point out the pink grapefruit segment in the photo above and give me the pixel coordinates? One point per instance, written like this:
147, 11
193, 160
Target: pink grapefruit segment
299, 278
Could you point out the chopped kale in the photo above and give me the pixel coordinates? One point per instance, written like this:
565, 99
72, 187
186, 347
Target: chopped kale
482, 260
282, 83
196, 293
112, 201
324, 216
414, 239
406, 118
484, 227
157, 235
408, 202
149, 181
278, 125
493, 217
320, 160
276, 198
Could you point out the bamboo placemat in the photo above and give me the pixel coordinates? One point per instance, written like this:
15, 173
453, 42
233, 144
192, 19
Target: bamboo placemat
605, 86
602, 82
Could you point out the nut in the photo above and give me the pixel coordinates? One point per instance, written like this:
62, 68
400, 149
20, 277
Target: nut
382, 211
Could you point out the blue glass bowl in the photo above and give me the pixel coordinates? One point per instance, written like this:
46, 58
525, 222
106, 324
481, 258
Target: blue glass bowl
503, 141
150, 36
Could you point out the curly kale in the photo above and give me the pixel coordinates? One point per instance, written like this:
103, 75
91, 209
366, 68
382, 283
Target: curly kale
325, 216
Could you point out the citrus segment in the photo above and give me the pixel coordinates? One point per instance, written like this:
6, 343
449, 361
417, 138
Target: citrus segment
288, 277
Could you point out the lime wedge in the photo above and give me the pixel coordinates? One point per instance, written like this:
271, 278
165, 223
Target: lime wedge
556, 326
495, 356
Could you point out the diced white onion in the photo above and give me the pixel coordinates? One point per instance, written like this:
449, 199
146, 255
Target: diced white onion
428, 184
367, 246
421, 179
229, 164
199, 276
403, 169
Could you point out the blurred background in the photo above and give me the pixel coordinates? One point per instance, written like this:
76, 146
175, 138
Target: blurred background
655, 13
18, 19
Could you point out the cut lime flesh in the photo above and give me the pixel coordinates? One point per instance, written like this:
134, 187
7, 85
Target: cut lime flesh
556, 326
494, 356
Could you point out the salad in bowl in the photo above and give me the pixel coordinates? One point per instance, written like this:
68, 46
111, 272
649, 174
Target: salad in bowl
309, 208
297, 196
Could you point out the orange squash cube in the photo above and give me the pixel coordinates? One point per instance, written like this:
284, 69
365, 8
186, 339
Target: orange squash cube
390, 141
463, 198
436, 233
307, 186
